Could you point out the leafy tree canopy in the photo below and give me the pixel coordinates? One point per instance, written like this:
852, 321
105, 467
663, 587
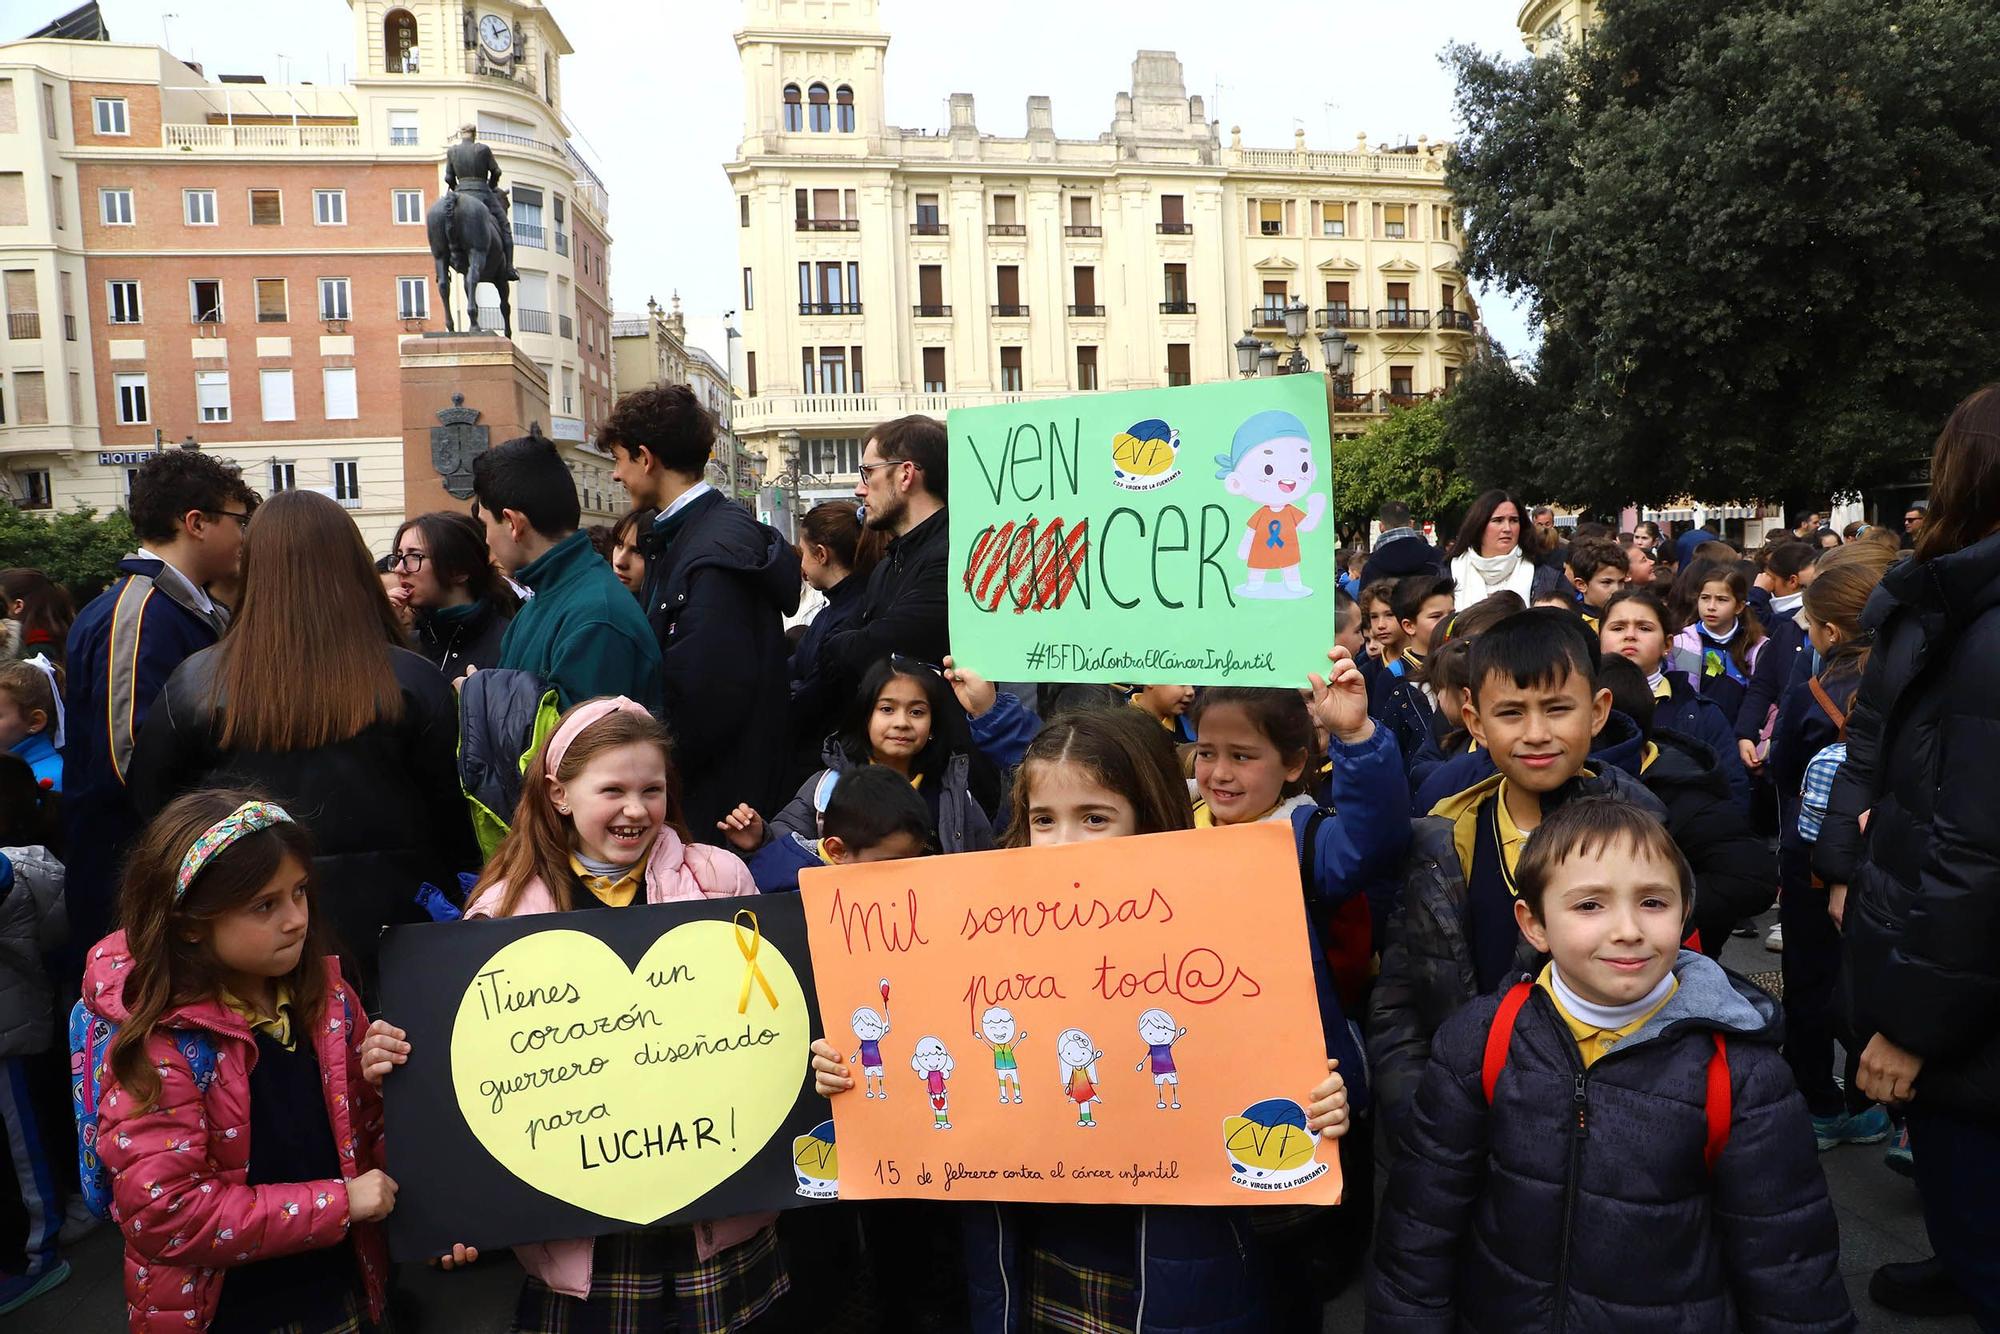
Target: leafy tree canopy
75, 548
1405, 456
1758, 236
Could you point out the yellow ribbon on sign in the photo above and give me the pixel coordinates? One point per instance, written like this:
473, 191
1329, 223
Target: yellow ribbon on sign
752, 971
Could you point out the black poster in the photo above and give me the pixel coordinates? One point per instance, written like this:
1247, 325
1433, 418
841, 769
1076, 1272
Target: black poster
578, 1073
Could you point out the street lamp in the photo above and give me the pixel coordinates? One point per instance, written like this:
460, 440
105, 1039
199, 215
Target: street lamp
1267, 362
1339, 352
1296, 316
1247, 348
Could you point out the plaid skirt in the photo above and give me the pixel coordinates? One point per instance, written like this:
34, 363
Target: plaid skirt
1077, 1300
653, 1281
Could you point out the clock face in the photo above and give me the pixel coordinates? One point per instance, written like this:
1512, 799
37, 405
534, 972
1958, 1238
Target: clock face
498, 36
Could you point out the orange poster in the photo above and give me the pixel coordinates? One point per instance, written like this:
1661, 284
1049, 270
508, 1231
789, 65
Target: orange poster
1128, 1021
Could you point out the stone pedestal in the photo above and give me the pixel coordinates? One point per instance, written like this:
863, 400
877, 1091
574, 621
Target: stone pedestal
492, 377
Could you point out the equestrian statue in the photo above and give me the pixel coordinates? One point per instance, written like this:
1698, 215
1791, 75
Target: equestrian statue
469, 231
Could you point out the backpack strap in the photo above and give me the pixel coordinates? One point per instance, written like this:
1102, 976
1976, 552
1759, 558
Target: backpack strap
1718, 1105
1501, 1036
1309, 847
1833, 710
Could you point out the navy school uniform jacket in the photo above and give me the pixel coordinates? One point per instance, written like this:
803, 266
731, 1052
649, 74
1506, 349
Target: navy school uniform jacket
1618, 745
1694, 714
1735, 875
718, 587
121, 650
1428, 967
1786, 640
1398, 702
1580, 1199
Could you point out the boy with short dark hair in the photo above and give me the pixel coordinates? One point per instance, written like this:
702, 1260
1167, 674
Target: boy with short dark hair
1617, 1145
581, 632
1534, 708
870, 814
1598, 569
1398, 698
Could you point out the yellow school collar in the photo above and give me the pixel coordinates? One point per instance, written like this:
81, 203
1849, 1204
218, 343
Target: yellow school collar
277, 1026
613, 893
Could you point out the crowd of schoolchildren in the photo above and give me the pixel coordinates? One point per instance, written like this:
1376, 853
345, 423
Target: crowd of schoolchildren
1535, 788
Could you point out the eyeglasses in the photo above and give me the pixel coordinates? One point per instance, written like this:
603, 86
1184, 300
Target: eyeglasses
867, 468
408, 560
241, 519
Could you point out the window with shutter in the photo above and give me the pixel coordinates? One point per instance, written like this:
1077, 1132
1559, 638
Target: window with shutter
267, 208
272, 307
211, 395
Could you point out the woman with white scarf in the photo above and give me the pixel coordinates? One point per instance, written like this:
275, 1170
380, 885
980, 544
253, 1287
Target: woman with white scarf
1491, 559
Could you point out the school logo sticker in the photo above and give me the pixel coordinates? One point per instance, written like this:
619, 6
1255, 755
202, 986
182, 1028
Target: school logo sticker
1142, 455
816, 1163
1269, 1146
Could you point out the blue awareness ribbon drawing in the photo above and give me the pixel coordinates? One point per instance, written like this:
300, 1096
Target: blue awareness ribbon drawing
1272, 539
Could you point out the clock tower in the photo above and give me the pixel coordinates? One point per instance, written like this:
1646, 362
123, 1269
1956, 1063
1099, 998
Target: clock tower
487, 43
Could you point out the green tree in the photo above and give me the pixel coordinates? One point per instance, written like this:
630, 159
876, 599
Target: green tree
1757, 236
75, 548
1405, 456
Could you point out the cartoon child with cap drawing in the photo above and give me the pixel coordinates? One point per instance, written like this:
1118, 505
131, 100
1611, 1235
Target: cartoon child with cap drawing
1270, 461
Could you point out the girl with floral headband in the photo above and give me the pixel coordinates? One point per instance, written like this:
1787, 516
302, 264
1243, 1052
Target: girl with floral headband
240, 1138
599, 826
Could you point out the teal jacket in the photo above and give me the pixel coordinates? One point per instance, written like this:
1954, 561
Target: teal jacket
582, 631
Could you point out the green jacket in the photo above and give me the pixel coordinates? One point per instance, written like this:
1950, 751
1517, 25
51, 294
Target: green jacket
582, 631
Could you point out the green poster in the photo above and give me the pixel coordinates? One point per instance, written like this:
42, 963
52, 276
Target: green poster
1162, 536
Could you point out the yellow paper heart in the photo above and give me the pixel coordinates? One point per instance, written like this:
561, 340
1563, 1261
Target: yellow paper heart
628, 1092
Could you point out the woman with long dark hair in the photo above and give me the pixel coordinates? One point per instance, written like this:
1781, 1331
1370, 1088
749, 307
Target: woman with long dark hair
461, 605
310, 698
40, 611
1489, 557
836, 554
1917, 891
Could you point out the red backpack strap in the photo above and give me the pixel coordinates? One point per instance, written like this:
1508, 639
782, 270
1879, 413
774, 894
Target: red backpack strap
1501, 1036
1718, 1104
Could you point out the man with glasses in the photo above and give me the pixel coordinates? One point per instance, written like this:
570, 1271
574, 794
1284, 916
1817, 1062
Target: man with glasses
902, 492
189, 510
1913, 523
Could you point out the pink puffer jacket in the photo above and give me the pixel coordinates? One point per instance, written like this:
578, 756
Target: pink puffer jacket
675, 872
178, 1168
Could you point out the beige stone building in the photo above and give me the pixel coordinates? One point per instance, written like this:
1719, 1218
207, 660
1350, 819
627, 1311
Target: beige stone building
889, 270
238, 263
1547, 24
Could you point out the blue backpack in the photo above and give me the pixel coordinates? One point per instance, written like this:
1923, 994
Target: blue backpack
90, 1037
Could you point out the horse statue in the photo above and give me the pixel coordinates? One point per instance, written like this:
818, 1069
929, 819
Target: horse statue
469, 233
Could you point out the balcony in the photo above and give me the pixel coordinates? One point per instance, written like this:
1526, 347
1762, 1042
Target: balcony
1093, 311
1006, 229
1455, 321
827, 225
530, 234
562, 243
930, 229
1082, 230
1174, 228
566, 327
1341, 317
931, 312
236, 138
1354, 403
1266, 317
1177, 308
829, 307
1399, 317
1010, 312
24, 324
825, 411
529, 320
1402, 398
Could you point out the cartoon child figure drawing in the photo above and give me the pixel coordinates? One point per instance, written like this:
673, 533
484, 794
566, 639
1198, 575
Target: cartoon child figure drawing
869, 1026
934, 1063
1156, 1029
1079, 1072
996, 1030
1270, 461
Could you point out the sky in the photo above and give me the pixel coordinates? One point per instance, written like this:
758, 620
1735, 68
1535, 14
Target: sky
654, 96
